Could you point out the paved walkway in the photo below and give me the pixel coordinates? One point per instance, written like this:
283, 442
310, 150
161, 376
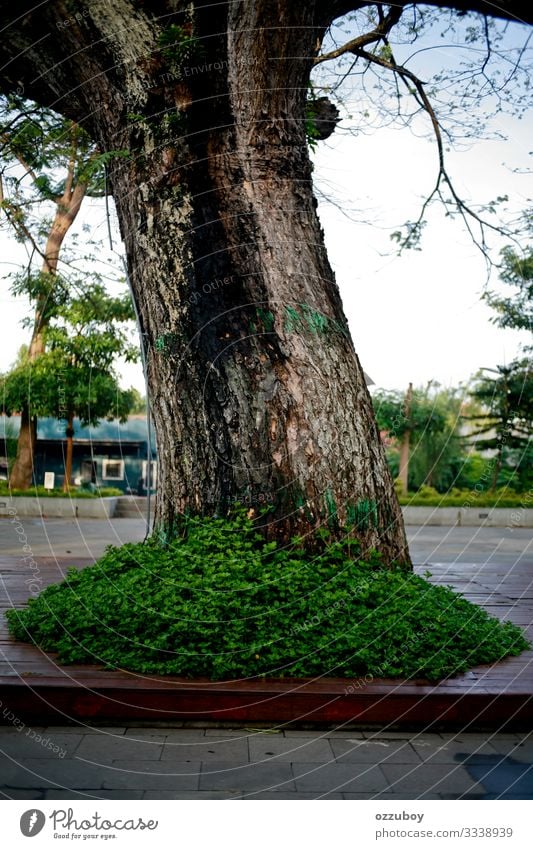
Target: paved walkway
210, 763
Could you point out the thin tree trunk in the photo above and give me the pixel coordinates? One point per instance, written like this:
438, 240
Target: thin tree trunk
22, 470
497, 470
69, 451
405, 445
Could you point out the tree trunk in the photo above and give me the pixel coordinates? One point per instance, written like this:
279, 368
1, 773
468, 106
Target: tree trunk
403, 473
67, 209
22, 471
256, 391
69, 450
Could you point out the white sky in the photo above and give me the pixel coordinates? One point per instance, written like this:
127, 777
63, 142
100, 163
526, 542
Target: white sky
415, 318
419, 316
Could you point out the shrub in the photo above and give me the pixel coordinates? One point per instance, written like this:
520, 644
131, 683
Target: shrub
220, 602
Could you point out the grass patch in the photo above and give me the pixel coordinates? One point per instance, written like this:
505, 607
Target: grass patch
220, 602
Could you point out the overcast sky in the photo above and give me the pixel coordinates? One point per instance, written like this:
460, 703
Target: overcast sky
417, 317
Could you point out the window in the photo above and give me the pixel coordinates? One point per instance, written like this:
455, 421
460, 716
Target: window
113, 470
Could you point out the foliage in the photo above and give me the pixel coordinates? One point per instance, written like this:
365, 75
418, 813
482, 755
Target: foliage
219, 601
424, 416
75, 377
507, 401
516, 310
436, 453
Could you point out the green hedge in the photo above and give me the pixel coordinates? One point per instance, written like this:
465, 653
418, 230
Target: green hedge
429, 497
41, 492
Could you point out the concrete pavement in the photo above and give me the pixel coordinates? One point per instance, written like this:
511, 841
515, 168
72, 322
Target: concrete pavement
89, 538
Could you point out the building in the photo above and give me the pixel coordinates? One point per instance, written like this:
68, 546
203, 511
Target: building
109, 454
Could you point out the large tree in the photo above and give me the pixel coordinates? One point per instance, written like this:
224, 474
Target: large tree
255, 386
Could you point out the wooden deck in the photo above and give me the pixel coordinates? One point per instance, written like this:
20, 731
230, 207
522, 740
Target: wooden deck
34, 687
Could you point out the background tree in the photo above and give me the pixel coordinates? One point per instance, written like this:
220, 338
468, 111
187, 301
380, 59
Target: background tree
413, 420
515, 310
74, 376
257, 387
505, 425
48, 166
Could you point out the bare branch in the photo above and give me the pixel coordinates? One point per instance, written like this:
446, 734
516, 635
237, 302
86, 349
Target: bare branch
386, 23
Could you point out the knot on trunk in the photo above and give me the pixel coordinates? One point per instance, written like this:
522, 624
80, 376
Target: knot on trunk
323, 116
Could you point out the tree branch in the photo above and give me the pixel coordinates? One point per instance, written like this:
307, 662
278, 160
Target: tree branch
510, 10
466, 212
386, 23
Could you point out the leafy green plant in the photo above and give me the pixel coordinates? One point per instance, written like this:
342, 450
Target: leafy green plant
218, 601
178, 45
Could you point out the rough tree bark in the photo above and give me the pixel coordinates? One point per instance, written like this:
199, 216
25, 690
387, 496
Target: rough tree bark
256, 391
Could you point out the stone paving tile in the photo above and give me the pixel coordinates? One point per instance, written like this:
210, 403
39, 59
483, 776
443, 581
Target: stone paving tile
374, 752
24, 746
447, 751
94, 794
292, 797
383, 797
186, 735
111, 730
344, 735
268, 777
339, 778
509, 796
191, 795
207, 749
98, 749
500, 775
143, 775
431, 778
326, 734
379, 734
47, 772
21, 794
231, 732
307, 749
520, 750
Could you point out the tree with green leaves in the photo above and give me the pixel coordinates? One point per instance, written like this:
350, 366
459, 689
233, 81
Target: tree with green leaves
411, 423
505, 424
514, 311
48, 165
74, 376
254, 382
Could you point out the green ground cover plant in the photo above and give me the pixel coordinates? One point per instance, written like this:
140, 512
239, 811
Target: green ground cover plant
217, 601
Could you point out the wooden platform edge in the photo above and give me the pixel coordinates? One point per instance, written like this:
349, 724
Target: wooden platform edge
47, 704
